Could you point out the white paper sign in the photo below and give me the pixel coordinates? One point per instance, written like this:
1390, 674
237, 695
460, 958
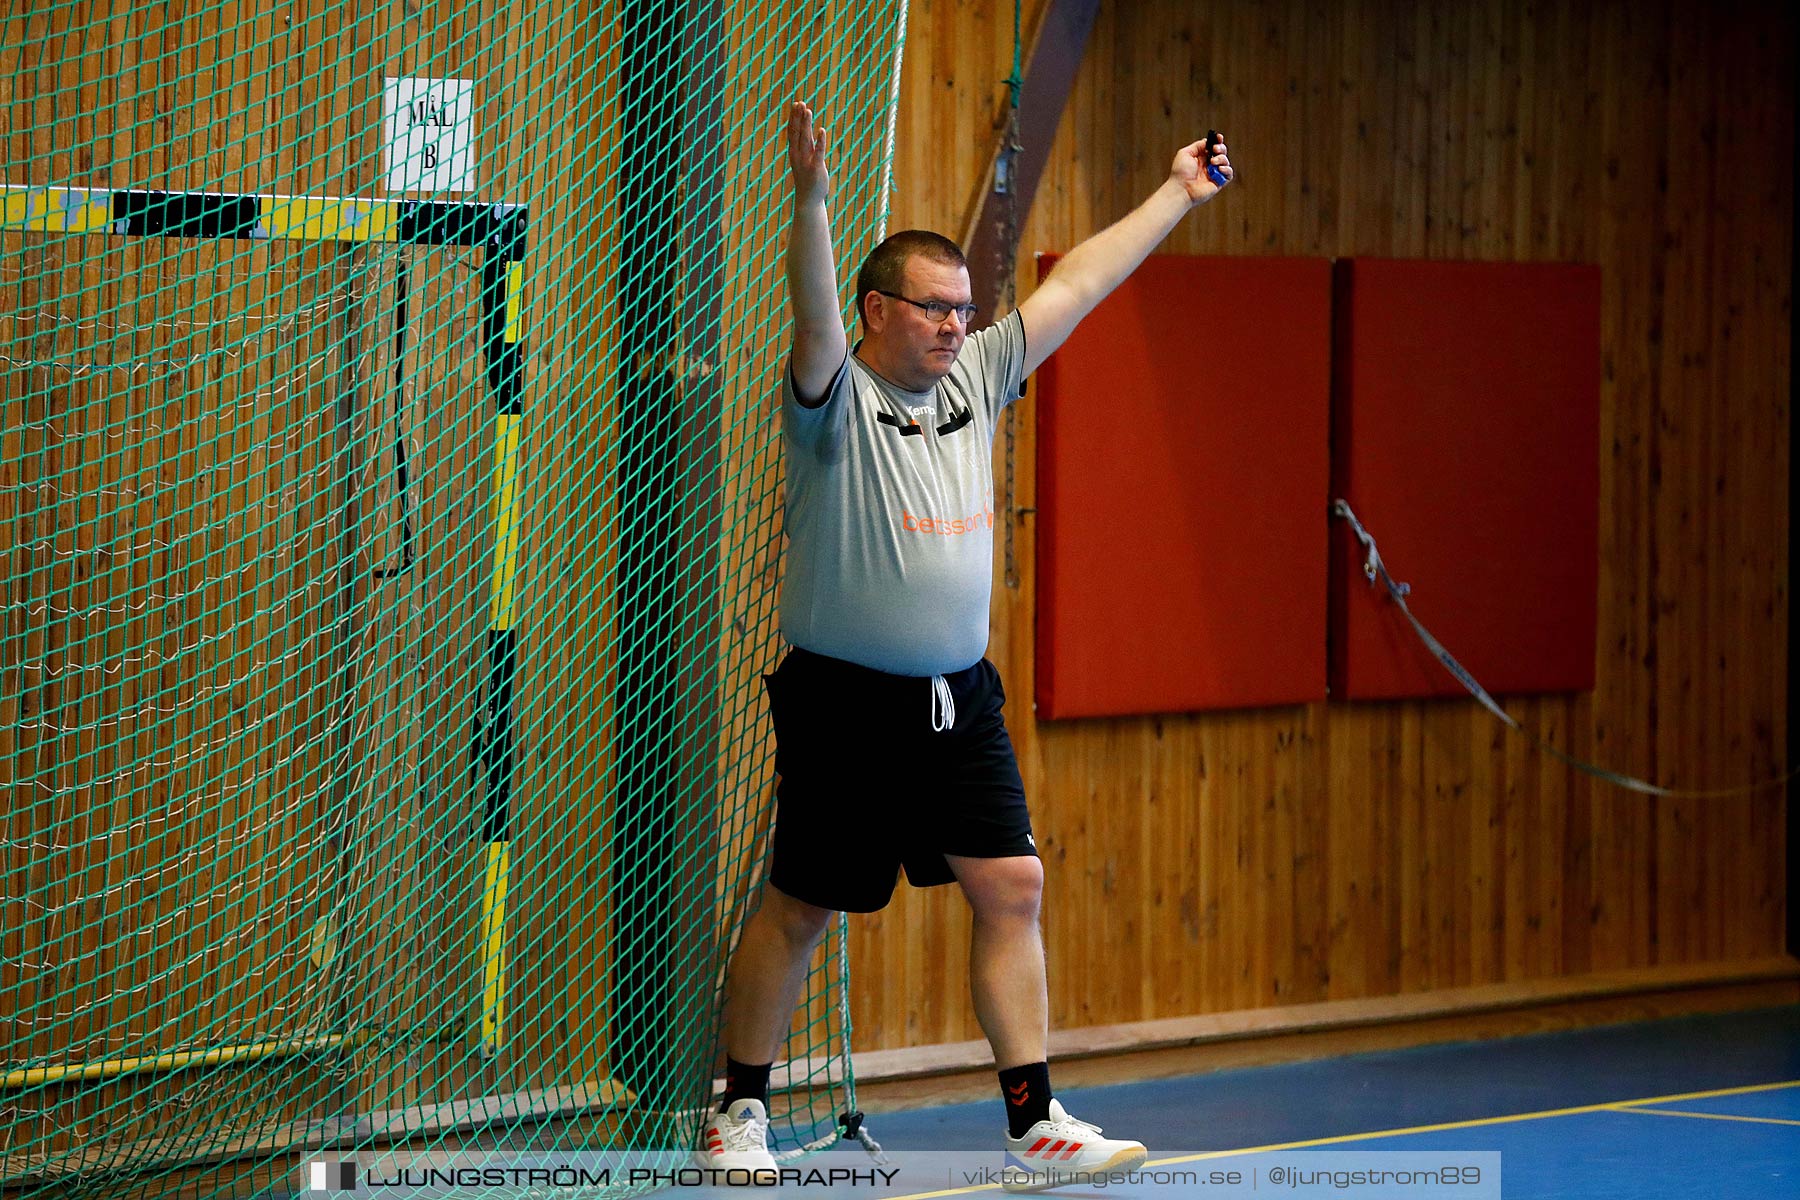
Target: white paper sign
430, 135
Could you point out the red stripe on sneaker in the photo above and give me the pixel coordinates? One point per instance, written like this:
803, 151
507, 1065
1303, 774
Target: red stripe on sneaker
1038, 1145
1070, 1152
1052, 1150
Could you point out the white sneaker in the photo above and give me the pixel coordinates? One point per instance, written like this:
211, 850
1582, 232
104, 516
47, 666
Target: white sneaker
737, 1138
1060, 1149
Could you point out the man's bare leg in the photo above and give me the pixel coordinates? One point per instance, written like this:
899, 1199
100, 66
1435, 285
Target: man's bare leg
1012, 1000
1007, 978
761, 989
762, 986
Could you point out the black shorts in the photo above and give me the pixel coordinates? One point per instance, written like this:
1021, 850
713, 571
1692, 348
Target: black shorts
867, 785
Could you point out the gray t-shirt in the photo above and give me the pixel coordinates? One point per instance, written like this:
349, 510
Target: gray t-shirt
890, 510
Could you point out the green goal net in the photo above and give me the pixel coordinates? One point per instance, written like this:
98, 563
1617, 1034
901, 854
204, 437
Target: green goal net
390, 487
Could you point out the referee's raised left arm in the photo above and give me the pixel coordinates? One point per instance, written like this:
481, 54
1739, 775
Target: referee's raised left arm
819, 341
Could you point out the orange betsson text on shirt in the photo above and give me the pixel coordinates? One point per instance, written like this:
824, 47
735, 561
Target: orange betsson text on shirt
947, 526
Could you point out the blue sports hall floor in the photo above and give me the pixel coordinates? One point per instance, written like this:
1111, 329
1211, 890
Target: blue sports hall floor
1703, 1106
1694, 1107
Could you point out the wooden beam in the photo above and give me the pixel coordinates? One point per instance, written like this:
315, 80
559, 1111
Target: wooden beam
392, 1126
1174, 1032
1309, 1045
1049, 76
1791, 807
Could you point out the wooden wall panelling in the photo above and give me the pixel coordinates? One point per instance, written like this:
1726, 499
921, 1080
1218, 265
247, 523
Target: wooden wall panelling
950, 96
767, 68
568, 554
291, 102
151, 754
547, 76
1196, 864
1426, 850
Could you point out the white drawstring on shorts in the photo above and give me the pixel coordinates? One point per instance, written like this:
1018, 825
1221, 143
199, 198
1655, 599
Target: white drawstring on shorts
943, 705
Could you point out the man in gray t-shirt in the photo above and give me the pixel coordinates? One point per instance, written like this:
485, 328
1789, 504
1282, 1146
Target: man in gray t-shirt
891, 748
890, 509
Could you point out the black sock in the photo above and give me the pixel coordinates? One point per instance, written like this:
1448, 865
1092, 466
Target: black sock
745, 1082
1026, 1090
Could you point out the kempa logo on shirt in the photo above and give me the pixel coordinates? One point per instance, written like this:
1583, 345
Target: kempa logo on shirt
948, 526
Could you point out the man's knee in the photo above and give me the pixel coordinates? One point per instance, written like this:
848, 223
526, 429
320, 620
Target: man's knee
1003, 889
799, 923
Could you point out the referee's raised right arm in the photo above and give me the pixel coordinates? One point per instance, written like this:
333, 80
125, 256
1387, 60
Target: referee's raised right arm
819, 341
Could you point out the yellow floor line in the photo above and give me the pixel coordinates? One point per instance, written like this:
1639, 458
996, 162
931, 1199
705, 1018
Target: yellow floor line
1610, 1106
1664, 1112
1479, 1121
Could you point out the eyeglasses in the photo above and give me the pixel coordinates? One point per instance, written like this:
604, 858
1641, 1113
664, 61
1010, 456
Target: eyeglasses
936, 310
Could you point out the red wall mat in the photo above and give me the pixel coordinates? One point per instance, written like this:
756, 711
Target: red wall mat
1465, 431
1181, 537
